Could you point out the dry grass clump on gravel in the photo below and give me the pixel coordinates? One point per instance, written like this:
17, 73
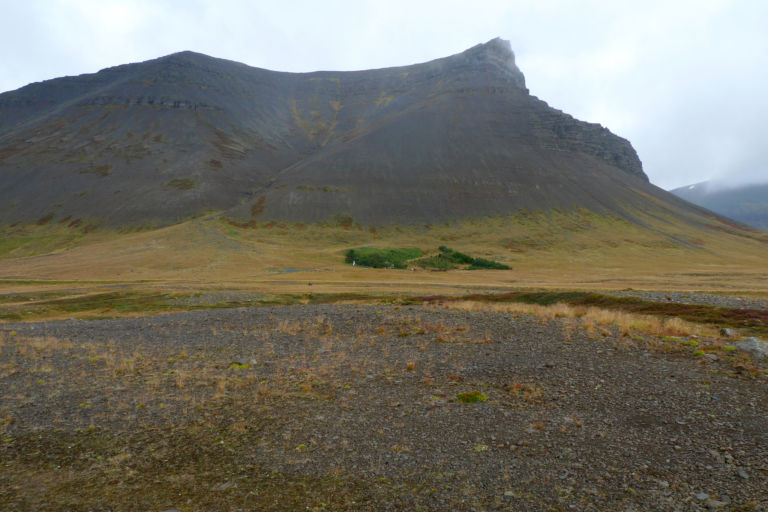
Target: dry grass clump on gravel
591, 317
628, 330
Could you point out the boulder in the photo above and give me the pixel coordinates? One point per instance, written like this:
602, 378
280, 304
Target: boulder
755, 347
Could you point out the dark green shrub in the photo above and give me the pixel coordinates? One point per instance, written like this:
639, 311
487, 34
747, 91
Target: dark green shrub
481, 263
381, 258
438, 262
455, 256
446, 259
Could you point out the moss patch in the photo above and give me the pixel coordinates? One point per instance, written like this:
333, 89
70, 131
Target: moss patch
472, 397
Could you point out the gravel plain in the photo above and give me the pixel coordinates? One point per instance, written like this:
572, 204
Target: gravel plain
706, 299
351, 407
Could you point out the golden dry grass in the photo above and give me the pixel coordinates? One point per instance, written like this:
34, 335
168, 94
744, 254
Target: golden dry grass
579, 250
591, 318
195, 380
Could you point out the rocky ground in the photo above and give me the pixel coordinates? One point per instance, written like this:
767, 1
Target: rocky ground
706, 299
350, 407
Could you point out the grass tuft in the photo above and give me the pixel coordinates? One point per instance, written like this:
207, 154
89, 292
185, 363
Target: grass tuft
472, 397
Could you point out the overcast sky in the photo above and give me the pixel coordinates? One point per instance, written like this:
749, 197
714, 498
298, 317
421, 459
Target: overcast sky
685, 81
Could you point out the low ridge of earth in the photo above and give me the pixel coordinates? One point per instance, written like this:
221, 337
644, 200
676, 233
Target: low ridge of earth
361, 407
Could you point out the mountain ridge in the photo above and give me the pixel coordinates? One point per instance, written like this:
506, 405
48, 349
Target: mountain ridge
168, 139
746, 203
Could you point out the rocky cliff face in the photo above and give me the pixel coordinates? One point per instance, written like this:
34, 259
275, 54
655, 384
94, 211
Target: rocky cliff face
161, 141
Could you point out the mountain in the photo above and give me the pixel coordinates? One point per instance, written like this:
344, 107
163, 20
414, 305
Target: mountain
162, 141
745, 203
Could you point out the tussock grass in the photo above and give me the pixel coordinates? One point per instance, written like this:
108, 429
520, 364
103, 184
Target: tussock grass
527, 391
651, 332
590, 317
471, 397
676, 317
48, 344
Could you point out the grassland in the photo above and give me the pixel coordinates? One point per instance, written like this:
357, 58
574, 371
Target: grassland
210, 263
556, 250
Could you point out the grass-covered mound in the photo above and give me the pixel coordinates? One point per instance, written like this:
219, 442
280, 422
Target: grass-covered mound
445, 259
481, 263
381, 258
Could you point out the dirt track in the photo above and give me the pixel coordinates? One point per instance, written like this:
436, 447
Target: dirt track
355, 408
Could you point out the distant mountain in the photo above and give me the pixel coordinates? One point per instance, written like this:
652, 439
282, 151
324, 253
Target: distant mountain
745, 203
161, 141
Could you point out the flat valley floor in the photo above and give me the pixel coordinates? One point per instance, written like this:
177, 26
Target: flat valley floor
373, 407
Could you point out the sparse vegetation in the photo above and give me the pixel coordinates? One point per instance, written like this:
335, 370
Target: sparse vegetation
257, 208
45, 219
669, 329
324, 188
182, 183
101, 170
245, 394
663, 319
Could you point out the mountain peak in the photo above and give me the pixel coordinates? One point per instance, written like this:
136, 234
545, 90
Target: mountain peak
495, 56
163, 140
188, 55
496, 47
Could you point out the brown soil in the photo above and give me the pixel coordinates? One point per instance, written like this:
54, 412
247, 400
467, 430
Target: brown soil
350, 407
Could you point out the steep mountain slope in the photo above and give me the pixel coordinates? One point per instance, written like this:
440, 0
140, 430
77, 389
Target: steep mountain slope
169, 139
746, 203
157, 141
